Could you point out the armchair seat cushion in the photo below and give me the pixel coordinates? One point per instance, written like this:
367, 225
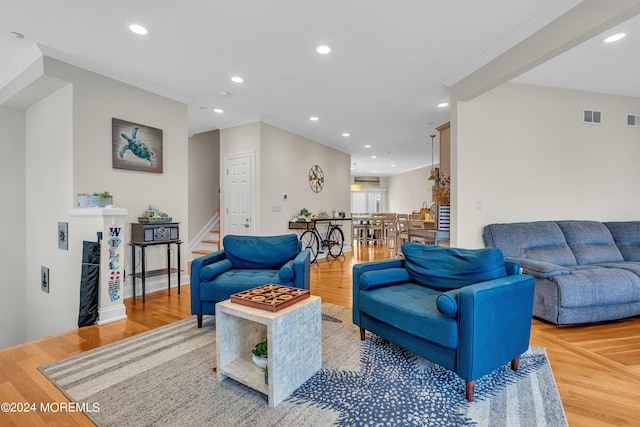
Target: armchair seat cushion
411, 308
233, 281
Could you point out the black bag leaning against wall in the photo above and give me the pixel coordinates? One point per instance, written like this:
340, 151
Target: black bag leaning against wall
89, 283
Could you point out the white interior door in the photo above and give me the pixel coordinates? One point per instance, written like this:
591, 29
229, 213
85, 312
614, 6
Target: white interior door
238, 194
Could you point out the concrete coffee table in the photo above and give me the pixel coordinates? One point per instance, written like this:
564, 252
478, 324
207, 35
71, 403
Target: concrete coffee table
294, 337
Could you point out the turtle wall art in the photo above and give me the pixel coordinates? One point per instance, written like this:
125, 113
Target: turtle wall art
136, 147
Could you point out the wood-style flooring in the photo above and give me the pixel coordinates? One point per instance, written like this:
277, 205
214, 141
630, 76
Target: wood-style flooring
596, 367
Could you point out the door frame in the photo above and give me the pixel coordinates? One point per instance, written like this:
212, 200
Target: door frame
227, 191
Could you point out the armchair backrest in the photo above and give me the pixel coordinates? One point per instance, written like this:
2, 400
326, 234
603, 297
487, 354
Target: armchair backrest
444, 268
260, 252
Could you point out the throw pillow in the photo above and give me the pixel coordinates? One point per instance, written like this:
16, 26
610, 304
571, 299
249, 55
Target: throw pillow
210, 271
378, 278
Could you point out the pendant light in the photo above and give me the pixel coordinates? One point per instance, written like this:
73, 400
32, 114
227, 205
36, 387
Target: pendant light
432, 177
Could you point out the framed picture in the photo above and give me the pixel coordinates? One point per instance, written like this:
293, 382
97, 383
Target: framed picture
136, 147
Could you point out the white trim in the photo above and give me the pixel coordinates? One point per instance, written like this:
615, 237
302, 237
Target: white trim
113, 74
111, 314
29, 56
553, 13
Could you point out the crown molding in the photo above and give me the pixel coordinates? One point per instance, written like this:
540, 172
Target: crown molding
113, 74
559, 9
28, 57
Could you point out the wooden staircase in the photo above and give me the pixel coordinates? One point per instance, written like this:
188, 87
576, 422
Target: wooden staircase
210, 245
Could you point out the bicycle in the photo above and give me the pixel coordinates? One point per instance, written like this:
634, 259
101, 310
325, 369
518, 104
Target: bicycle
333, 241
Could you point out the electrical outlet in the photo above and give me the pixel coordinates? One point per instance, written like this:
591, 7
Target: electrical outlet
478, 205
44, 279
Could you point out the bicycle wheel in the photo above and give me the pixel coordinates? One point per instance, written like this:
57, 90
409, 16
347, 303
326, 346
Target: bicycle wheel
335, 242
310, 241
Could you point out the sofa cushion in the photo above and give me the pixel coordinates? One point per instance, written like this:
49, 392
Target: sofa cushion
597, 287
590, 241
388, 276
627, 238
411, 308
261, 252
446, 268
539, 240
210, 271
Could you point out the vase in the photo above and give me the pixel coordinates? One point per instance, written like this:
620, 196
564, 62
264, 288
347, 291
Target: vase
261, 362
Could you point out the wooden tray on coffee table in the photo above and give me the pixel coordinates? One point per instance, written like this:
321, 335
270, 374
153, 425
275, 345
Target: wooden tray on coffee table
270, 297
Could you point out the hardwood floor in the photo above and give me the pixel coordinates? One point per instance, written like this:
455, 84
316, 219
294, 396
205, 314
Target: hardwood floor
596, 367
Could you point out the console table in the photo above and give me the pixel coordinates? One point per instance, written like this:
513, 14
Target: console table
144, 274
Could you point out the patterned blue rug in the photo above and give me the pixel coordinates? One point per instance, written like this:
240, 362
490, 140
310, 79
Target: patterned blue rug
394, 387
166, 377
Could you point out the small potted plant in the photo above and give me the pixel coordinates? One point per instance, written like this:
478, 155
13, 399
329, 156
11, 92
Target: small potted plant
260, 354
106, 199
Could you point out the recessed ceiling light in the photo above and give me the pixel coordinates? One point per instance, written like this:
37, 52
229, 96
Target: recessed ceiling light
138, 29
346, 134
393, 166
367, 146
218, 110
223, 93
16, 35
237, 79
314, 118
203, 108
323, 50
443, 104
614, 38
374, 157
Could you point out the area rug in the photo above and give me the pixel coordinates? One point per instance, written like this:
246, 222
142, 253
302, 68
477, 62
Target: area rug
166, 377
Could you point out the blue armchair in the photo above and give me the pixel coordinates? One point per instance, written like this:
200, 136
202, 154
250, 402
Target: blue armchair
244, 263
466, 310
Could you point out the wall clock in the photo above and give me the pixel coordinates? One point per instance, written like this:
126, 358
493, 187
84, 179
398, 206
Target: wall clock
316, 178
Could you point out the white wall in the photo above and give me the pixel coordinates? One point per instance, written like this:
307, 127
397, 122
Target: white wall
204, 179
49, 184
524, 152
282, 163
286, 160
98, 99
12, 238
407, 191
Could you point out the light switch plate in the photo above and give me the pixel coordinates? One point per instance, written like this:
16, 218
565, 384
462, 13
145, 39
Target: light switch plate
44, 279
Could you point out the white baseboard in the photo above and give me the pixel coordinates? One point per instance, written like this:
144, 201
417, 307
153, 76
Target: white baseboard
111, 314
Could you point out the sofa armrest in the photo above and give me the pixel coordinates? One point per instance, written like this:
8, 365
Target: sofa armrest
540, 269
512, 267
358, 270
494, 321
195, 280
301, 270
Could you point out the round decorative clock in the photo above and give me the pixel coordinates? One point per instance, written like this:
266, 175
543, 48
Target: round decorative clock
316, 178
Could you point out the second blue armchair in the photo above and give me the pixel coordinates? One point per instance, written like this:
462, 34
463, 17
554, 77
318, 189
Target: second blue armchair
244, 263
466, 310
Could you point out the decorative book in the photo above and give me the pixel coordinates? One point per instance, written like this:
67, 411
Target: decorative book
270, 297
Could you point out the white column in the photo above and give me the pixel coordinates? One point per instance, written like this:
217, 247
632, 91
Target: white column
112, 254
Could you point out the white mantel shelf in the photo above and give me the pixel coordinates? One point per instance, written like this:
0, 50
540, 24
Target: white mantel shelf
97, 212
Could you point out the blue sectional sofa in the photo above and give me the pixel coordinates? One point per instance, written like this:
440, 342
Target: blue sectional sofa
244, 263
586, 271
467, 310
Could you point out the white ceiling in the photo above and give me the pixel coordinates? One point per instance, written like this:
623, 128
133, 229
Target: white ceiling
381, 82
